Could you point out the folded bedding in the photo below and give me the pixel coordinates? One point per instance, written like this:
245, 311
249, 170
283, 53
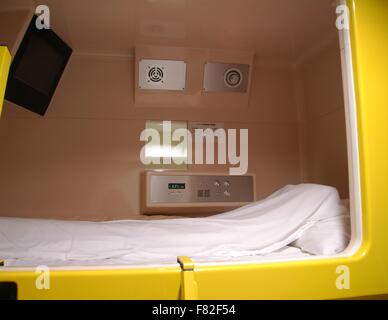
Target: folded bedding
261, 228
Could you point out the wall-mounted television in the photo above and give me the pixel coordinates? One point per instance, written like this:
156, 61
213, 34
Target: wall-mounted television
37, 68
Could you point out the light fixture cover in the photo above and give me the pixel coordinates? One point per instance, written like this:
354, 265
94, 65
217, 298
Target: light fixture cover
226, 77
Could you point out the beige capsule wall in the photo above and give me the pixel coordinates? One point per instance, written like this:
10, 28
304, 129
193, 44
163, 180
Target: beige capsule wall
81, 161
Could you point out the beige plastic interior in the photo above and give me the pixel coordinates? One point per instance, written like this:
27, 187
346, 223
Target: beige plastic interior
81, 161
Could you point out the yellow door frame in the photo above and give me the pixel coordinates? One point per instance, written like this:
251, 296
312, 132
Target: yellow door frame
5, 63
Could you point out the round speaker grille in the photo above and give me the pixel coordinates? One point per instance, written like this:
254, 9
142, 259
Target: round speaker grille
155, 74
233, 77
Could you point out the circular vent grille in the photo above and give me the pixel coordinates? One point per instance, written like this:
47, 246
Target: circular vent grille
155, 74
233, 77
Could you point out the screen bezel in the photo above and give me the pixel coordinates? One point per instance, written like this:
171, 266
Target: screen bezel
23, 94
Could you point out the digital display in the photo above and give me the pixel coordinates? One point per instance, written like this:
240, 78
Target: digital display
176, 186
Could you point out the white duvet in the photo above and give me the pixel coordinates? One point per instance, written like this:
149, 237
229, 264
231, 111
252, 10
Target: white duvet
260, 228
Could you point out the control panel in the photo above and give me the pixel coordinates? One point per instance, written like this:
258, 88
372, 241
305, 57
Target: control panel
195, 191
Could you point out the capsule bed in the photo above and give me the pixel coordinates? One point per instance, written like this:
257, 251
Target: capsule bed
261, 230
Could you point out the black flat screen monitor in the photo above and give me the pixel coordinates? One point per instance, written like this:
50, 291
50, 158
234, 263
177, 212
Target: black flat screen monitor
37, 68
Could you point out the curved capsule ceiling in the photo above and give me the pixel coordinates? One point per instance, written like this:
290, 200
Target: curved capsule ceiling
276, 29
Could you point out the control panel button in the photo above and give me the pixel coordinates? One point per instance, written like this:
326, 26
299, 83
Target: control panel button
226, 184
217, 183
226, 193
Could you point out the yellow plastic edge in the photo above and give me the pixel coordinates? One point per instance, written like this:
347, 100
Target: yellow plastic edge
189, 289
139, 284
5, 62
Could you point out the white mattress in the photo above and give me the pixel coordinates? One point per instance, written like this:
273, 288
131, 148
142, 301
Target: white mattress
253, 232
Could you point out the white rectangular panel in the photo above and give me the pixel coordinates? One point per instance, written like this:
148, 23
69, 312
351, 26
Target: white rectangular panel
204, 189
195, 193
162, 74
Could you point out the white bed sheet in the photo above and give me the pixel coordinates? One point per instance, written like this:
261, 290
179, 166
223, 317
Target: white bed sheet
284, 253
252, 232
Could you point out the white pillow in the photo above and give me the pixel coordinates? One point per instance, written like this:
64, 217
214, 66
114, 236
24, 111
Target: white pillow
326, 237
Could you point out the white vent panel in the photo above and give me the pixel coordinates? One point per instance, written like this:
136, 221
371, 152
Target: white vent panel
162, 75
